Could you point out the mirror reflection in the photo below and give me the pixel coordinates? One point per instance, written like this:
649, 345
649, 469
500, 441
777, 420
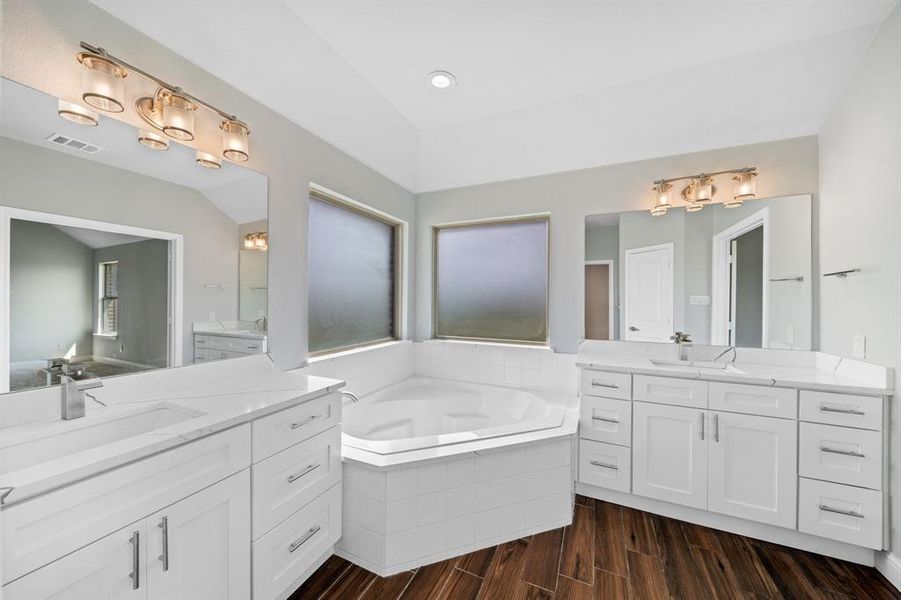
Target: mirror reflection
121, 258
723, 276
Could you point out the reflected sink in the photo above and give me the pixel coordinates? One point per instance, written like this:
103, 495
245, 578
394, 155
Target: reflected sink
696, 365
70, 437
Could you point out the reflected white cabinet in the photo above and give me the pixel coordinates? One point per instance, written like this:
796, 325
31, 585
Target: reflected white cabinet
752, 467
669, 453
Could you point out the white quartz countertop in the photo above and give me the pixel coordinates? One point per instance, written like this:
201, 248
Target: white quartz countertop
210, 407
827, 376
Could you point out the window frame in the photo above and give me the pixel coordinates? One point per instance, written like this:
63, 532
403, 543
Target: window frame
102, 298
530, 218
398, 327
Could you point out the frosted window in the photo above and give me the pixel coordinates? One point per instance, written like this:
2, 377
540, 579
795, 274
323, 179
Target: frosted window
491, 281
351, 278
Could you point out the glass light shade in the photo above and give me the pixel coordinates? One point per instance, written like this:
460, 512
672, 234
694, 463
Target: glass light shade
103, 83
745, 189
693, 207
704, 190
78, 113
205, 159
153, 140
235, 144
178, 117
248, 242
662, 199
261, 243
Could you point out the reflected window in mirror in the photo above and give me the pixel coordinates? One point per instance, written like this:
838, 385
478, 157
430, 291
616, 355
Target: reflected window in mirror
109, 298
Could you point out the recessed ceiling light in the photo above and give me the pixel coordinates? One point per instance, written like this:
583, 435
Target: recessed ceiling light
441, 80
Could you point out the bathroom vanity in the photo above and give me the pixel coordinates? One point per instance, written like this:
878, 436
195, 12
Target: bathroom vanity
221, 341
785, 446
175, 488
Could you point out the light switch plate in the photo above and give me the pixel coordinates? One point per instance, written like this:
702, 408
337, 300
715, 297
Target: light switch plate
211, 315
859, 346
699, 300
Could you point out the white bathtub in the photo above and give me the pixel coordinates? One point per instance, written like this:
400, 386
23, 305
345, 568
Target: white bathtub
421, 412
435, 468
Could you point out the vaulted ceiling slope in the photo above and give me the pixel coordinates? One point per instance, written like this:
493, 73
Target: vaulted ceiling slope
543, 86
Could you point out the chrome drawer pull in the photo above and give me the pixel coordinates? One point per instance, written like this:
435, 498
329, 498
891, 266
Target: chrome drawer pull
840, 511
843, 452
606, 419
164, 557
604, 465
297, 476
305, 422
604, 384
135, 560
310, 533
702, 425
844, 411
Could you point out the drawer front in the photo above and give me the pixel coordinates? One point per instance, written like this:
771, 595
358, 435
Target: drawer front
842, 409
212, 342
606, 384
229, 344
290, 426
605, 465
840, 512
47, 527
284, 554
606, 420
753, 400
287, 481
841, 454
670, 390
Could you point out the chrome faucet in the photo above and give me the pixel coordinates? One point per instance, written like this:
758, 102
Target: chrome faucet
353, 397
74, 385
684, 341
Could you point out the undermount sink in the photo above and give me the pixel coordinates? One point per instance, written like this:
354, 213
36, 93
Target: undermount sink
695, 365
70, 437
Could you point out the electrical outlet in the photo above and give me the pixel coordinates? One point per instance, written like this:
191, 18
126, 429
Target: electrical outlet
211, 315
859, 346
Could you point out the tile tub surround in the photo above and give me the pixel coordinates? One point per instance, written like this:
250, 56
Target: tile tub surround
401, 518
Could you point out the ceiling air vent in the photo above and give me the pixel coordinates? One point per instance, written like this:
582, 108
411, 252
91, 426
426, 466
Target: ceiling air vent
73, 144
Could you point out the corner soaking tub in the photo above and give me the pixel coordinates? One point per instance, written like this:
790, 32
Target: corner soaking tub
435, 468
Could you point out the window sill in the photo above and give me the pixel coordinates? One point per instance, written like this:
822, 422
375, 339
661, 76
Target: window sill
352, 351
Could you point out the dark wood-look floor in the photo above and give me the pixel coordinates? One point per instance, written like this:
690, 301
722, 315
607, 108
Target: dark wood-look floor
616, 553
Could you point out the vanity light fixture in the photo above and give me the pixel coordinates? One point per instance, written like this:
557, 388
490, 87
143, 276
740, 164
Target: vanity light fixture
441, 80
77, 113
701, 189
662, 198
170, 109
210, 161
745, 188
152, 140
257, 241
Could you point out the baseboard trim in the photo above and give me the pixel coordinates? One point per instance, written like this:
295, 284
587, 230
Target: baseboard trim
760, 531
890, 566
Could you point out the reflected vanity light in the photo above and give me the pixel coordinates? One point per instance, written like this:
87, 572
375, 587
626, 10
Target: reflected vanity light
103, 82
76, 113
234, 140
205, 159
662, 198
152, 140
257, 241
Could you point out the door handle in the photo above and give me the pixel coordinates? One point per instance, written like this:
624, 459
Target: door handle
135, 560
633, 328
702, 425
164, 557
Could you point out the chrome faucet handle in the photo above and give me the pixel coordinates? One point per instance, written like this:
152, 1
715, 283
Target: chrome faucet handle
681, 337
353, 397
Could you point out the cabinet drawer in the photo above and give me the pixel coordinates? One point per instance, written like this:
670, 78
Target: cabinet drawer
840, 512
842, 409
841, 454
285, 482
606, 420
284, 554
606, 384
605, 465
290, 426
47, 527
753, 399
670, 390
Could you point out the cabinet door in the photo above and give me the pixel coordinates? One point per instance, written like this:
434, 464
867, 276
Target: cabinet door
753, 468
112, 568
669, 453
199, 548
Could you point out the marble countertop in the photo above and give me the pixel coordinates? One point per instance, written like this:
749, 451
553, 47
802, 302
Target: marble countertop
211, 407
828, 376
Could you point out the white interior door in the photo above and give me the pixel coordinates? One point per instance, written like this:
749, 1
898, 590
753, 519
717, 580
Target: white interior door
669, 453
753, 468
648, 315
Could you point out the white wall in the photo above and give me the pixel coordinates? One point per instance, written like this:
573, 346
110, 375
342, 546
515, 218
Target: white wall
859, 220
39, 44
786, 167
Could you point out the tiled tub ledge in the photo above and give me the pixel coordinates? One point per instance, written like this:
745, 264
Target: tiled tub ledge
404, 517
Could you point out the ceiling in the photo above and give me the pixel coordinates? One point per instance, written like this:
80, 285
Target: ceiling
95, 239
543, 86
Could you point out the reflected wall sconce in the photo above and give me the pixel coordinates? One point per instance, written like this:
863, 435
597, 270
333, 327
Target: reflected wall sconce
700, 190
257, 241
170, 110
76, 113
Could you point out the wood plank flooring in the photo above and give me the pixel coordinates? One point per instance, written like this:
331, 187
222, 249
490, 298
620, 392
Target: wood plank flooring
613, 553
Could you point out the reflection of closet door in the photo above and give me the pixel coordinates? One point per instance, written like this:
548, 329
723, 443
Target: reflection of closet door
648, 312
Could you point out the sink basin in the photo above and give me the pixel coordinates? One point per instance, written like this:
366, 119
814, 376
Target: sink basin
70, 437
695, 365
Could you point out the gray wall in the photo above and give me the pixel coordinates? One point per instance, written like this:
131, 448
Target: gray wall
39, 39
51, 293
602, 243
749, 289
860, 211
141, 335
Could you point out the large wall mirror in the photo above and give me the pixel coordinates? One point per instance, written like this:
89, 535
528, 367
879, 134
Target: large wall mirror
117, 258
726, 276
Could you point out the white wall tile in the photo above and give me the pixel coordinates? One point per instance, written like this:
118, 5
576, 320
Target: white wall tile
372, 547
513, 376
488, 466
350, 538
487, 524
401, 483
490, 494
461, 501
432, 508
372, 514
461, 531
461, 471
432, 477
402, 515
